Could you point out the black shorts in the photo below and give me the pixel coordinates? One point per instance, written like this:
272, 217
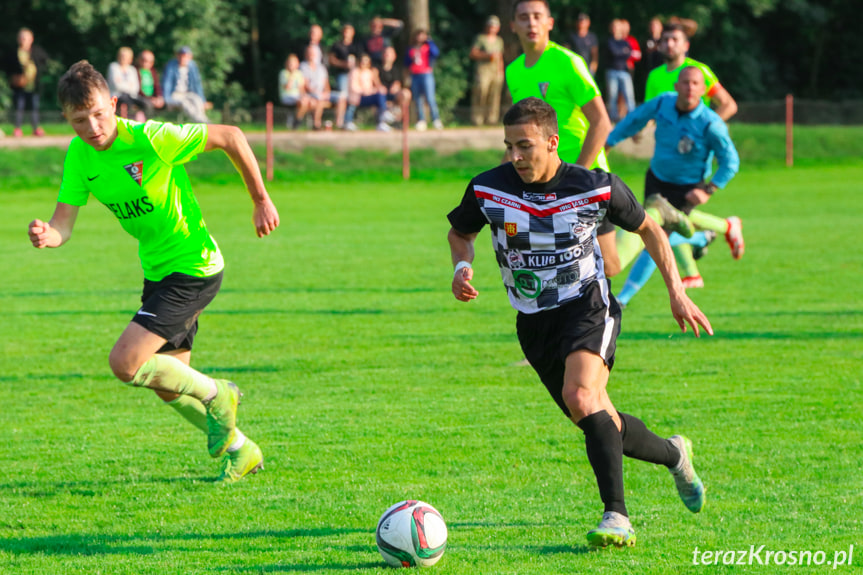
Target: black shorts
170, 307
674, 193
548, 337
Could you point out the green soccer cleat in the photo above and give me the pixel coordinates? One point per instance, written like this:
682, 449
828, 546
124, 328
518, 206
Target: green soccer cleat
248, 459
614, 529
673, 220
689, 486
222, 417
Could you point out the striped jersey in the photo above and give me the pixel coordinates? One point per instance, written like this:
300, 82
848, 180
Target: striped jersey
544, 235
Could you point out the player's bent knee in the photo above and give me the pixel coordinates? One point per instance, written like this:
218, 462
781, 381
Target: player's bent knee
123, 368
581, 401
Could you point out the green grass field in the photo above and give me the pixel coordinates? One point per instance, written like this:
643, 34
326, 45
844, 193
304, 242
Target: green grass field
366, 383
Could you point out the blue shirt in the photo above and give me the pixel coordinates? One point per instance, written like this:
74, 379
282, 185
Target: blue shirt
685, 142
169, 80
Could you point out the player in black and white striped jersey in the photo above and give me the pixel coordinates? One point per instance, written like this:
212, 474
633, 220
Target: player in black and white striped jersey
543, 215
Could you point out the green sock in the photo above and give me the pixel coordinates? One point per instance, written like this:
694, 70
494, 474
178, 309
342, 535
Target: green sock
165, 373
657, 217
192, 411
629, 245
705, 221
685, 261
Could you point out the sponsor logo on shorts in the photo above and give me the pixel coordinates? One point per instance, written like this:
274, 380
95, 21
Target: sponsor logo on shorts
511, 228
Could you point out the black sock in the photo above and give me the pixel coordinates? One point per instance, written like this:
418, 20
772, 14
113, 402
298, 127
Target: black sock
605, 453
641, 443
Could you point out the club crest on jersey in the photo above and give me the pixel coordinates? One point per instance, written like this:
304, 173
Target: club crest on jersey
684, 146
511, 228
543, 88
514, 259
577, 229
136, 171
534, 197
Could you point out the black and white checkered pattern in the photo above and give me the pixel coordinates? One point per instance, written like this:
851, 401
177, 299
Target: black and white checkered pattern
544, 235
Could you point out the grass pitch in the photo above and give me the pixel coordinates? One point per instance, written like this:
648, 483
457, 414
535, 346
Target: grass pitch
367, 383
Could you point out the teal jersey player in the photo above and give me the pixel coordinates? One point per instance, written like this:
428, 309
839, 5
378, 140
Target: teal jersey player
136, 170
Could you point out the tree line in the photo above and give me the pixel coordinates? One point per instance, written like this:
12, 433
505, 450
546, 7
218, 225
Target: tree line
759, 49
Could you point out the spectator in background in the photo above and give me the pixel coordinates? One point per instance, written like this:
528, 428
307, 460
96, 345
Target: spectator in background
365, 90
487, 52
343, 58
148, 79
24, 66
292, 90
617, 75
124, 84
182, 86
316, 34
420, 61
391, 83
653, 53
635, 54
381, 34
585, 44
317, 83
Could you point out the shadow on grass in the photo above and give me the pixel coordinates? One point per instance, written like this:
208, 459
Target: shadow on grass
149, 544
305, 568
741, 335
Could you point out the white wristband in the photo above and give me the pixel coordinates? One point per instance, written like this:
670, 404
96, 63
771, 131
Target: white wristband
460, 266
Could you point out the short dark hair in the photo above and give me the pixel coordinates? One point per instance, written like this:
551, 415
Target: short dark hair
515, 4
78, 84
675, 27
532, 111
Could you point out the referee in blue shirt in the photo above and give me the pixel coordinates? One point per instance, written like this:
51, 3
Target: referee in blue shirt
688, 137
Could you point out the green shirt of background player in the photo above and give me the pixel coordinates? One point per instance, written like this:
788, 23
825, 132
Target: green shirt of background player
562, 79
674, 46
137, 171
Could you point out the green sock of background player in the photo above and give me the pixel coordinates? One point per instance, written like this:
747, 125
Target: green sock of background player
630, 245
685, 260
705, 221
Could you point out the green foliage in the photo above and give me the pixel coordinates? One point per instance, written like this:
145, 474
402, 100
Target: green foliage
452, 72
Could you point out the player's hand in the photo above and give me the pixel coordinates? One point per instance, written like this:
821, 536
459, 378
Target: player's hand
461, 288
697, 196
41, 234
266, 217
685, 311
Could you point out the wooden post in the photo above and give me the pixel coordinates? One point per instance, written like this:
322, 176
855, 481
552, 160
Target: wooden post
789, 130
269, 141
406, 151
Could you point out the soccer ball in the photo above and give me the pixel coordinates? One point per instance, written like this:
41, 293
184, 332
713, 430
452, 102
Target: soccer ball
411, 534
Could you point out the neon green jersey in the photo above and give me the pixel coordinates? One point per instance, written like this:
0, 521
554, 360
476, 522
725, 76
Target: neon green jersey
142, 180
662, 80
560, 78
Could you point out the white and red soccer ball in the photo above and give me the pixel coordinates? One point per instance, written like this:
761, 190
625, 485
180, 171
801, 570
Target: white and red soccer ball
411, 534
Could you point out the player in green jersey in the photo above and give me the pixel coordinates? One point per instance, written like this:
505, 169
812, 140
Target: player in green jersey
674, 46
136, 170
562, 79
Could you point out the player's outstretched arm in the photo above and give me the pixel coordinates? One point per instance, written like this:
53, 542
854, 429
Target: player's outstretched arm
461, 248
723, 103
597, 133
233, 142
682, 308
56, 232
